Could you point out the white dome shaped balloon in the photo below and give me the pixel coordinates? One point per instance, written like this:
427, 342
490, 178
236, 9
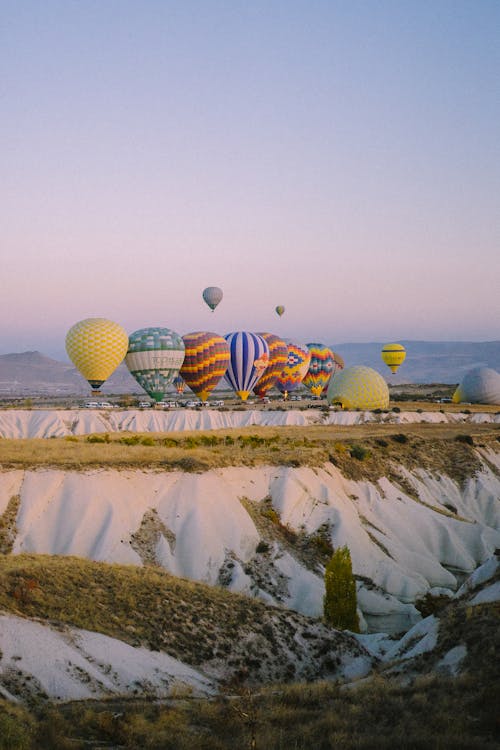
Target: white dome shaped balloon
479, 386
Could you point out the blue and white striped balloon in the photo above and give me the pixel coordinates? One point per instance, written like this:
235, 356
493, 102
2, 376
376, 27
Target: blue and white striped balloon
249, 357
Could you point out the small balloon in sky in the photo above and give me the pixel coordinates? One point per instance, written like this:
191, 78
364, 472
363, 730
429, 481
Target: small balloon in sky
393, 355
279, 310
212, 295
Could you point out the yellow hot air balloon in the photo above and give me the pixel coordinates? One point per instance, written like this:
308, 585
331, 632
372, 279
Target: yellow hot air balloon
393, 355
96, 347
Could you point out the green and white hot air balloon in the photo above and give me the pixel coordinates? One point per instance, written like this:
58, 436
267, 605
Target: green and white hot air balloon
154, 358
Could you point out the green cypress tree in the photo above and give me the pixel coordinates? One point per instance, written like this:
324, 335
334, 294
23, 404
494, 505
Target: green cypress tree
339, 602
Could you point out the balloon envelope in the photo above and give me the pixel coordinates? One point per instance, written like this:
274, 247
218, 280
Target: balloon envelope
212, 296
179, 383
321, 367
358, 387
295, 369
280, 310
96, 347
479, 386
154, 358
206, 361
278, 355
393, 355
249, 357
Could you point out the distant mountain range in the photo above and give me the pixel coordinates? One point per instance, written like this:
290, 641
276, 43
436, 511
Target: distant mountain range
426, 362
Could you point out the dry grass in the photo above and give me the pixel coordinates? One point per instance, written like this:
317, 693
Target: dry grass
428, 445
433, 713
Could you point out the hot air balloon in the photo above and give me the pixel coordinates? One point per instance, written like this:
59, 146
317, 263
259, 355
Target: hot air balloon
249, 357
359, 387
205, 362
320, 370
212, 296
279, 310
154, 358
393, 355
481, 385
278, 354
96, 347
179, 384
295, 369
338, 364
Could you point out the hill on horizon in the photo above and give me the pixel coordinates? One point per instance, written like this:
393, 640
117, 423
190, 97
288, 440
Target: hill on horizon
426, 362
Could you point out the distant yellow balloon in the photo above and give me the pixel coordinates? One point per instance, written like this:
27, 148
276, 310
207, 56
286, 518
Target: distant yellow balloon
393, 355
96, 347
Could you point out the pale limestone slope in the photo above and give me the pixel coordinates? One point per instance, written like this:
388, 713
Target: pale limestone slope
401, 548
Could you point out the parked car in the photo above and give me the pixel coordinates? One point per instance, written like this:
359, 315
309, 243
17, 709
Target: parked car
218, 403
105, 405
91, 405
144, 404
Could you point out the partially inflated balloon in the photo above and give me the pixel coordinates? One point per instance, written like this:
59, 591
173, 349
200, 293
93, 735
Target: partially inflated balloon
154, 358
206, 361
359, 387
249, 357
320, 370
96, 347
393, 355
212, 296
295, 369
278, 354
280, 310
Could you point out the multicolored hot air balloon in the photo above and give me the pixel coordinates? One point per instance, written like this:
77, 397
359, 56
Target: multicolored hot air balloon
249, 357
338, 362
279, 310
320, 370
154, 358
278, 354
205, 362
212, 295
295, 369
393, 355
96, 347
179, 384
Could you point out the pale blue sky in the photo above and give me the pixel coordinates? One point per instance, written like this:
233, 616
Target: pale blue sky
339, 158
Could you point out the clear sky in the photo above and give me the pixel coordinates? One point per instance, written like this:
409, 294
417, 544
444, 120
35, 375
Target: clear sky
339, 158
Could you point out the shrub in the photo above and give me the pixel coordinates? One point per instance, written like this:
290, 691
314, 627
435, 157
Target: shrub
396, 409
399, 438
262, 547
359, 452
98, 438
147, 441
465, 439
381, 442
339, 602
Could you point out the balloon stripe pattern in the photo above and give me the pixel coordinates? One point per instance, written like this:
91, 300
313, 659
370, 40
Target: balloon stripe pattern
295, 369
205, 362
278, 356
96, 347
249, 357
154, 358
393, 355
320, 369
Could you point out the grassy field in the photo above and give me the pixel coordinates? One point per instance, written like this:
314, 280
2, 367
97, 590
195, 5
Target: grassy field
360, 451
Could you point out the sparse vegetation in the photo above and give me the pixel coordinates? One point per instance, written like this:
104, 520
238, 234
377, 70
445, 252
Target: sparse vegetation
377, 448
